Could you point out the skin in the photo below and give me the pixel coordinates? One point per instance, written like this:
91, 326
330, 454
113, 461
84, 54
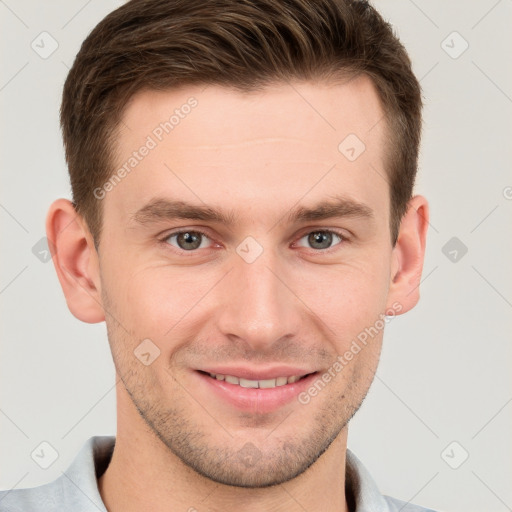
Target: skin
258, 156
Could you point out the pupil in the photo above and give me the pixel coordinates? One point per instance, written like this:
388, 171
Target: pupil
189, 240
320, 240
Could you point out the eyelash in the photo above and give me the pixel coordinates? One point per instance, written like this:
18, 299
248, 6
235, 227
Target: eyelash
174, 233
342, 236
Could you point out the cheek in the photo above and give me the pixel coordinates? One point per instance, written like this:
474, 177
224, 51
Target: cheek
159, 300
348, 298
152, 300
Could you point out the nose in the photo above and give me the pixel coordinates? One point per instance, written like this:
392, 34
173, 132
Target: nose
260, 307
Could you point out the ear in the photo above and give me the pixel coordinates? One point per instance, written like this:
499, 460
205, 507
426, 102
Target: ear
76, 261
408, 255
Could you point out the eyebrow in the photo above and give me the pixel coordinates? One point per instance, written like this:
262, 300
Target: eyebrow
164, 209
337, 207
160, 209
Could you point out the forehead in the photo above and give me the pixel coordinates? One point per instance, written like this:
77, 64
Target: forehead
215, 145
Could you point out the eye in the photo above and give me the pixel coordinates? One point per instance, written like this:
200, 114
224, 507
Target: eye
188, 240
321, 239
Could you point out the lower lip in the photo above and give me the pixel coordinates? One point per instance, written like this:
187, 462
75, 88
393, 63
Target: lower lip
256, 400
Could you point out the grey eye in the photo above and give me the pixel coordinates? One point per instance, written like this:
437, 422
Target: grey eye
188, 240
320, 239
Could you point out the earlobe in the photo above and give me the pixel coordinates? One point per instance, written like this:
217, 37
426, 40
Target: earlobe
408, 255
76, 261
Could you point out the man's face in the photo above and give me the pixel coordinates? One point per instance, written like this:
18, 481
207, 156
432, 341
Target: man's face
260, 293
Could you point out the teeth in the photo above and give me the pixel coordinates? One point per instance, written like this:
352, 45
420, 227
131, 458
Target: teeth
268, 383
246, 383
232, 380
262, 384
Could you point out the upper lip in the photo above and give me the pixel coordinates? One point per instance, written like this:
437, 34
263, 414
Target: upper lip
258, 373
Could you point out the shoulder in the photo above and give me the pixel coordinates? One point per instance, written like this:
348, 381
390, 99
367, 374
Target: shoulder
75, 489
395, 505
364, 493
45, 498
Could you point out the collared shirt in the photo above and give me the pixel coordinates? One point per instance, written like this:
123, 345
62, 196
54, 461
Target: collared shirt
76, 490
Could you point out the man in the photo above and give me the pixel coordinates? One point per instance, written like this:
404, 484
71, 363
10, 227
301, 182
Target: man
243, 221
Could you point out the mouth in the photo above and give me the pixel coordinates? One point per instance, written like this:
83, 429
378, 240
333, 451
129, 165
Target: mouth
255, 395
253, 384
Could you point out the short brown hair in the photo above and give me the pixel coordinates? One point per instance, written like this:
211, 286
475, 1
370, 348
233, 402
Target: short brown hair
243, 44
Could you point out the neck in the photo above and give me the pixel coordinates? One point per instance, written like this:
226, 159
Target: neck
145, 475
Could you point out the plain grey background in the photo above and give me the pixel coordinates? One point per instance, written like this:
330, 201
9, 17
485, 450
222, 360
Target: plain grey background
435, 427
